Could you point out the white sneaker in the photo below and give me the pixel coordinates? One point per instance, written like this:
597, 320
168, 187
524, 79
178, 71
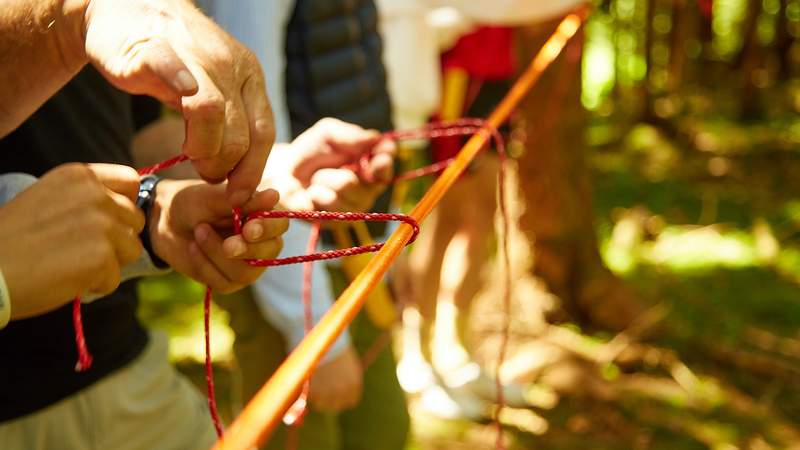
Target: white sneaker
450, 404
415, 375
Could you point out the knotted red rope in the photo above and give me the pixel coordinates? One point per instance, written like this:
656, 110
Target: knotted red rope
459, 127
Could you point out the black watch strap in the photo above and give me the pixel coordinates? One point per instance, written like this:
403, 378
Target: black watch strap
145, 202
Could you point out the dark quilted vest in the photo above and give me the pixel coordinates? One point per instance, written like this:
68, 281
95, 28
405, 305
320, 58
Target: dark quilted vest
334, 66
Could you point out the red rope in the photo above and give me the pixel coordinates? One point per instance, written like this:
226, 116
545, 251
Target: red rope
459, 127
212, 399
84, 357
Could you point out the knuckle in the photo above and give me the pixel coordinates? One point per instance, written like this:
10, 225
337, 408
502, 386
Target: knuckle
234, 148
74, 171
263, 130
111, 279
208, 108
249, 58
102, 257
226, 56
328, 123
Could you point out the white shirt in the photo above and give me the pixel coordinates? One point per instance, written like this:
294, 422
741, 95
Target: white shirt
261, 26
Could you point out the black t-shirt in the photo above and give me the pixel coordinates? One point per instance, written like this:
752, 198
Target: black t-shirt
87, 121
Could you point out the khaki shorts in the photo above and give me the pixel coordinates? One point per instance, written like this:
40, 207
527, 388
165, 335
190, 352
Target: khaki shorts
146, 405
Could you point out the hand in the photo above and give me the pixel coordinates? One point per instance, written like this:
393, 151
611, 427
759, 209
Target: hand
68, 234
310, 172
189, 221
169, 50
337, 384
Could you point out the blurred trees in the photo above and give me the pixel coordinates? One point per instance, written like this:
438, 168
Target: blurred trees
664, 50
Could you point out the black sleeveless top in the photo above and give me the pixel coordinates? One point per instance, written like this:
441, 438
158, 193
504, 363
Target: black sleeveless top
87, 121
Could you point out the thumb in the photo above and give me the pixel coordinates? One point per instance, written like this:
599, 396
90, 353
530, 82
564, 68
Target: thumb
118, 178
162, 72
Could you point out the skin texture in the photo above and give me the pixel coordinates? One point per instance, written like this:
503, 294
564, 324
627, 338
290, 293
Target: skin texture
320, 170
337, 384
191, 229
71, 232
163, 48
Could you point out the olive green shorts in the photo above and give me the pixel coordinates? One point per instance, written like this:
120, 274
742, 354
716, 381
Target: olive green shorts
146, 405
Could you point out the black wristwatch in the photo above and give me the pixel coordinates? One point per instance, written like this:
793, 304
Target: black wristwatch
145, 202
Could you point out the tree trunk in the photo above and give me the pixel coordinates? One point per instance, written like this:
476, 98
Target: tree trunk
783, 43
554, 183
747, 61
677, 54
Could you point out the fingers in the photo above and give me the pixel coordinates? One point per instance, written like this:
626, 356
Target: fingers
196, 202
118, 178
235, 141
126, 212
204, 114
224, 274
246, 176
261, 201
260, 239
257, 230
229, 134
331, 143
380, 167
206, 273
107, 272
237, 248
346, 137
161, 73
125, 240
341, 190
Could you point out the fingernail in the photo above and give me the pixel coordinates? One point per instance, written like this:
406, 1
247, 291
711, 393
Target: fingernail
238, 249
185, 81
256, 230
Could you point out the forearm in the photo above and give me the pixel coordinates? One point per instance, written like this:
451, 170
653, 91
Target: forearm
41, 48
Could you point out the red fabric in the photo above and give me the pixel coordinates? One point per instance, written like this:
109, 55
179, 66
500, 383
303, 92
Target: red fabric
486, 53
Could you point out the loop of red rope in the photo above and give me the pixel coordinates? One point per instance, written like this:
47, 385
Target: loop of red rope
315, 216
458, 127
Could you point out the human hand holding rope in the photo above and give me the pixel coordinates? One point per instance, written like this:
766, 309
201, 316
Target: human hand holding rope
84, 253
332, 166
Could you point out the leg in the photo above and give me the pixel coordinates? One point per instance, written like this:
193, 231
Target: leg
260, 349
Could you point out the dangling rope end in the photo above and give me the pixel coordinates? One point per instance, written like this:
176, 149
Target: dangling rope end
212, 400
84, 357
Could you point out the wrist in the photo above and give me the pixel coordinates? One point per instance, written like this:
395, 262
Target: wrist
148, 202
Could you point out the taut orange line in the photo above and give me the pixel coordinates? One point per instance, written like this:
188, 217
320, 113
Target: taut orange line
264, 411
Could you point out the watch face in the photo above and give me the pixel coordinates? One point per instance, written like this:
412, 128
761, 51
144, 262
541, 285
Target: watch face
146, 188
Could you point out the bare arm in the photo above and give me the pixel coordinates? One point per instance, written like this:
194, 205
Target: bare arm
166, 49
40, 50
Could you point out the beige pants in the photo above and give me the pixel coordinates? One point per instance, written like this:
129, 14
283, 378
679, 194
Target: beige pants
146, 405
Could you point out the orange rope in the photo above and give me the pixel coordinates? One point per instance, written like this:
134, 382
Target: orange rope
259, 418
